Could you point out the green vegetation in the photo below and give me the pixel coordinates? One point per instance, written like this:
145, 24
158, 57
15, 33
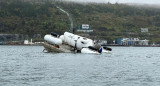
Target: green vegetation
109, 21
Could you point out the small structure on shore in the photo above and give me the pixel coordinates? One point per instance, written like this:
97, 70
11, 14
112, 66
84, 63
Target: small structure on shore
27, 42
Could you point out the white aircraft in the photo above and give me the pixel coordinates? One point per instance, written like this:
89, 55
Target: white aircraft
69, 42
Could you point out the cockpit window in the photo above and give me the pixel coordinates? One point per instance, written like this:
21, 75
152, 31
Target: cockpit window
85, 38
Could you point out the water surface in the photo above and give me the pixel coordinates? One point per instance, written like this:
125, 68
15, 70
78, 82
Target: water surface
126, 66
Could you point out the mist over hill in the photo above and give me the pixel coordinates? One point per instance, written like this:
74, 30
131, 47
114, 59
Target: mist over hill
109, 21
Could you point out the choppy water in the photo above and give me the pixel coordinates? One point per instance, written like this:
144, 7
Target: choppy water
126, 66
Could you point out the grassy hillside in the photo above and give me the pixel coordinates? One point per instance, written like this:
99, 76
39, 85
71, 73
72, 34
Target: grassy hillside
109, 21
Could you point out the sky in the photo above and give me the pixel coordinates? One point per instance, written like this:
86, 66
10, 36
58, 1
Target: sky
122, 1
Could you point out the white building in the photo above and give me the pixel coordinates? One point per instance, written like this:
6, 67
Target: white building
144, 30
132, 41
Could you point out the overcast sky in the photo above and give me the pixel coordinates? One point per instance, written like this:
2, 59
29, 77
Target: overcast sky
122, 1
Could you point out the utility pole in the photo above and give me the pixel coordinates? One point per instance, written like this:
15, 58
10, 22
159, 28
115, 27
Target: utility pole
70, 18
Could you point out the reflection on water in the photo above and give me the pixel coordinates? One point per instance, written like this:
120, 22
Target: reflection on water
126, 66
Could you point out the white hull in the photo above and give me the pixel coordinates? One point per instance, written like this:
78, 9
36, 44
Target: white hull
79, 41
87, 50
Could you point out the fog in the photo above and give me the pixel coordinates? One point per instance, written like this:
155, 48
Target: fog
120, 1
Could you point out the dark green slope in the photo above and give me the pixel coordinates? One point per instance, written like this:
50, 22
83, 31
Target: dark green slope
109, 21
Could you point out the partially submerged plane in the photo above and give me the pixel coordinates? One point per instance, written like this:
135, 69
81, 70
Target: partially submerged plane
71, 43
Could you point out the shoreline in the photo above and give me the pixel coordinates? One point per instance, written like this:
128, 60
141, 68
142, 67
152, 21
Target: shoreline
133, 45
102, 45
